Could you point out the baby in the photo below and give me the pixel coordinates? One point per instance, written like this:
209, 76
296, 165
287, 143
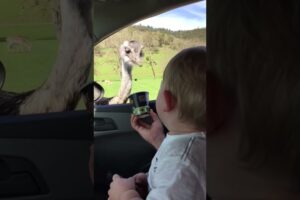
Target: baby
178, 168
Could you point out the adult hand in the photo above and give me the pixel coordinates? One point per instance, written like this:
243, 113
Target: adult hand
154, 133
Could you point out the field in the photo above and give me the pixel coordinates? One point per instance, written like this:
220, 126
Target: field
160, 45
28, 70
31, 20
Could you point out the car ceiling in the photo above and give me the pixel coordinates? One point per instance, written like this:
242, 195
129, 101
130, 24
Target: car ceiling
33, 18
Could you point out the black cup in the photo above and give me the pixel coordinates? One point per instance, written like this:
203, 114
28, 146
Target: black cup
140, 106
140, 103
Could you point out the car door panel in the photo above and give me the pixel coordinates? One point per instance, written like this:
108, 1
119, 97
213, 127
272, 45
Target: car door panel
46, 156
120, 150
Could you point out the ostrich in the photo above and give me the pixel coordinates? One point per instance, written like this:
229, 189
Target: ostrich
61, 91
131, 53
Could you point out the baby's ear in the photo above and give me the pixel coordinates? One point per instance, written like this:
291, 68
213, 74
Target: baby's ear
170, 101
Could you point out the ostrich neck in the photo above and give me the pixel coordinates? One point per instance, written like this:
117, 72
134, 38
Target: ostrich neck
71, 68
126, 81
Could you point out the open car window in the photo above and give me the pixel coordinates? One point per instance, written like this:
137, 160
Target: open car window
28, 44
133, 59
38, 63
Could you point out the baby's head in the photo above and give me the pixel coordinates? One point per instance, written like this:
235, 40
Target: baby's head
182, 96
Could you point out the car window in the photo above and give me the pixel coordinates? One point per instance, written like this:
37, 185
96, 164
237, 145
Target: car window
146, 47
29, 47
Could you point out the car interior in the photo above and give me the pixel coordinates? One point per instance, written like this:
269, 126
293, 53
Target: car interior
46, 155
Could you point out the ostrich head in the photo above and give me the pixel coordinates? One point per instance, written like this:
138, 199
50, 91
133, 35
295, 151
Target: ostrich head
131, 52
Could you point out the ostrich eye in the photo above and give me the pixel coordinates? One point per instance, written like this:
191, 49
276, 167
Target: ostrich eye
127, 50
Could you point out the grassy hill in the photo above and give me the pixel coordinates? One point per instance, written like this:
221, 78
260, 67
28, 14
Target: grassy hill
198, 34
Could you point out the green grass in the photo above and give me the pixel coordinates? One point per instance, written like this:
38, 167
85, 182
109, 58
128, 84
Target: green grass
107, 72
149, 85
28, 70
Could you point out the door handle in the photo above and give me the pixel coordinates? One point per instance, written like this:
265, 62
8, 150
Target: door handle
104, 124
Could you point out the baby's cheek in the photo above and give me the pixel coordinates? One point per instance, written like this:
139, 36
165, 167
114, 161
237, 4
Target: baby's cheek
158, 108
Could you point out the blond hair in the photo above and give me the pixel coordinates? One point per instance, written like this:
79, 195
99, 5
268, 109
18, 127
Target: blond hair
185, 78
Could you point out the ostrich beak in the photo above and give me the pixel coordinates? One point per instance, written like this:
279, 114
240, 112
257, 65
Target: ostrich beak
139, 62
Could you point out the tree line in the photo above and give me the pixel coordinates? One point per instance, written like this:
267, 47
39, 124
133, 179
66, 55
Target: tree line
155, 38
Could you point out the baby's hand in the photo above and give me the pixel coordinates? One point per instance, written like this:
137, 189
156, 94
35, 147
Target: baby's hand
154, 133
131, 195
119, 186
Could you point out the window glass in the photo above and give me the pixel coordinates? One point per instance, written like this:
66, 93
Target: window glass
29, 44
161, 36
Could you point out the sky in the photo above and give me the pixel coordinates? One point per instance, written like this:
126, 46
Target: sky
184, 18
